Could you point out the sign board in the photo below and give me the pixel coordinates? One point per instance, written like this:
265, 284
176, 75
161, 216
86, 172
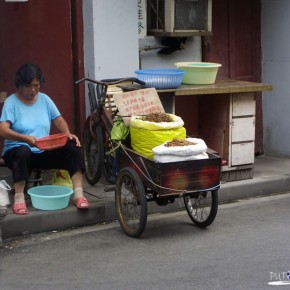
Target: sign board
136, 103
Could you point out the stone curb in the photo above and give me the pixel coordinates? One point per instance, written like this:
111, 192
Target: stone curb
103, 210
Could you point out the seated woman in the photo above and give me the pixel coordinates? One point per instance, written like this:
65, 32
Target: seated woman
27, 115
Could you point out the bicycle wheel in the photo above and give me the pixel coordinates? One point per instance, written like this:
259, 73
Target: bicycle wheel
93, 149
109, 164
202, 207
131, 202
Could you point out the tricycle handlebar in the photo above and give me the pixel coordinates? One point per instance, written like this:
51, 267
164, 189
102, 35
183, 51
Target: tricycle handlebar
108, 82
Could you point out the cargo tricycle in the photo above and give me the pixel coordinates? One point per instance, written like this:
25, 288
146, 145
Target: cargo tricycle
137, 179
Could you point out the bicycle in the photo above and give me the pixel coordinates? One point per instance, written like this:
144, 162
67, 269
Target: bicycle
98, 148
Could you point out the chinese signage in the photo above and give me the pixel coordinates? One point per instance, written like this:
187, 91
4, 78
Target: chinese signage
136, 103
142, 29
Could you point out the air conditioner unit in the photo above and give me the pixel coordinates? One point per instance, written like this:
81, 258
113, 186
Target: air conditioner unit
179, 18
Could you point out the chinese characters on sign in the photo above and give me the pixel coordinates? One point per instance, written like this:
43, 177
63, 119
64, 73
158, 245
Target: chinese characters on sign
136, 103
141, 6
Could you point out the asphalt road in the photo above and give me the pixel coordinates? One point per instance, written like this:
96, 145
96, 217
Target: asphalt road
247, 247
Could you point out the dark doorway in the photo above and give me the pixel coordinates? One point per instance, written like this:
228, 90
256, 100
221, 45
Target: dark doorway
236, 44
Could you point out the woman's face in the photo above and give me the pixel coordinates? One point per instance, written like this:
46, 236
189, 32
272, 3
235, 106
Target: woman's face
29, 92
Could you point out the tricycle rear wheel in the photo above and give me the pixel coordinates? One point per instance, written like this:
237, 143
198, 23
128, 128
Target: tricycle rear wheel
202, 207
131, 202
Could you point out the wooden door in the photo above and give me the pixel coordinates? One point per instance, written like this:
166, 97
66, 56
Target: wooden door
41, 32
236, 44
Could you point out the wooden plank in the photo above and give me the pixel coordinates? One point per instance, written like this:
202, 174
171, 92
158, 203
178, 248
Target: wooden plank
237, 174
222, 87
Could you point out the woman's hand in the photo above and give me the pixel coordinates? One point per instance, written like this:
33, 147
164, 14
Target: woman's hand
74, 137
30, 140
62, 126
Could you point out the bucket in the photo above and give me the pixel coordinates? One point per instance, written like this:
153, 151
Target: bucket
199, 73
50, 197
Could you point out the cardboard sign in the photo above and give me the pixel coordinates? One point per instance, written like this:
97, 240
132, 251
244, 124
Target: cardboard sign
136, 103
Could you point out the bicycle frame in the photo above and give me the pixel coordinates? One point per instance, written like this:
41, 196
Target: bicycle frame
100, 117
97, 103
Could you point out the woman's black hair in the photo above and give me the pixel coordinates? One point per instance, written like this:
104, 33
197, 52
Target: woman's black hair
27, 73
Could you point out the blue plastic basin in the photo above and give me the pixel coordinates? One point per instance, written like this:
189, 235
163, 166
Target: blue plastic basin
50, 197
160, 78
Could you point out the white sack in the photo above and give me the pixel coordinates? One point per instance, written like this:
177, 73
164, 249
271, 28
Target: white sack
199, 147
174, 158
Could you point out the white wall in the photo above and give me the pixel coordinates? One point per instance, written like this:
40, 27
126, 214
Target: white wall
276, 71
111, 38
88, 17
152, 59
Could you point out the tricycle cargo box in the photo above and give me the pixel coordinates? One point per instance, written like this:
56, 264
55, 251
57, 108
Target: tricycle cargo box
174, 177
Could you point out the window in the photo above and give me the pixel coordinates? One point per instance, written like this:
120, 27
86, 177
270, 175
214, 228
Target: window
179, 17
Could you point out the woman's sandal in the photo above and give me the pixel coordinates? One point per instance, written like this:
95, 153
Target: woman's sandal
81, 202
20, 208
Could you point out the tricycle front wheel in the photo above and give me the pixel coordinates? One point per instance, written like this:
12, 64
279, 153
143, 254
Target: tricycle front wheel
93, 149
109, 163
202, 207
131, 202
